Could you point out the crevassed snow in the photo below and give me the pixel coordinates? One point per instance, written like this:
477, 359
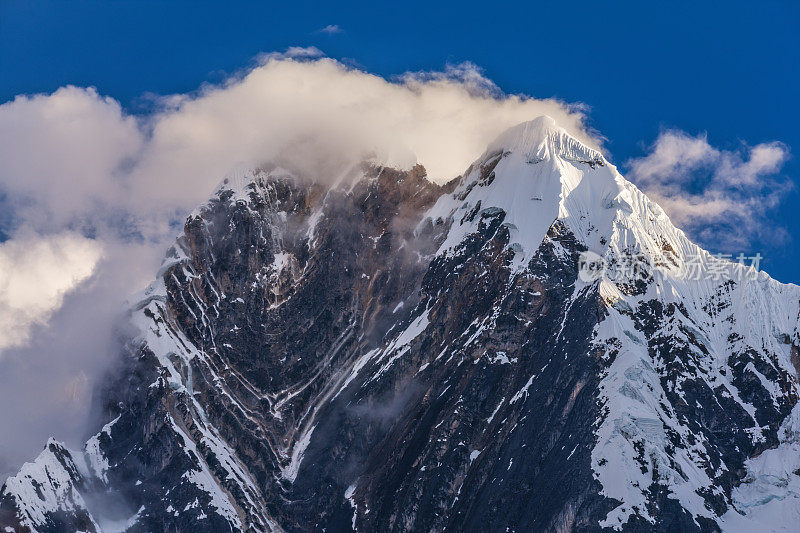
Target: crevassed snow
769, 497
631, 391
639, 415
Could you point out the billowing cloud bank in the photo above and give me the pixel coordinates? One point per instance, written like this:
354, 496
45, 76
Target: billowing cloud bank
75, 152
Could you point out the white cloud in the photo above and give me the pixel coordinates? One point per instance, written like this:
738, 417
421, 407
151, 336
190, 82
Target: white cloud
295, 52
62, 153
441, 120
330, 29
719, 196
75, 154
35, 275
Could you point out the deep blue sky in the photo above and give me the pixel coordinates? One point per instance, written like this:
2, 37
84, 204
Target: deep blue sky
731, 69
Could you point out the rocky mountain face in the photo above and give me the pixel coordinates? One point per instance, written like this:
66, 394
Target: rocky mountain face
531, 347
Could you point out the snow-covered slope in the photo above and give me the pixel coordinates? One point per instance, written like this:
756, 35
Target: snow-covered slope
680, 322
50, 484
533, 346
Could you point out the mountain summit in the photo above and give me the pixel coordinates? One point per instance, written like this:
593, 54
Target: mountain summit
531, 347
541, 138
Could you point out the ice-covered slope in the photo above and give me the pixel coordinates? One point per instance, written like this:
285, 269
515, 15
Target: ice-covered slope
388, 354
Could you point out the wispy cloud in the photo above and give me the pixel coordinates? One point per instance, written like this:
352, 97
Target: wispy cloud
331, 29
721, 197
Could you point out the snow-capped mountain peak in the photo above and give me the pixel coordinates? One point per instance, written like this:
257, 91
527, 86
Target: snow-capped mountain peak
541, 138
537, 173
383, 353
